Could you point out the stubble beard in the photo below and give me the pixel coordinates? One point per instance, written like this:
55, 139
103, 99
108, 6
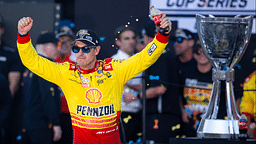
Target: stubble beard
85, 65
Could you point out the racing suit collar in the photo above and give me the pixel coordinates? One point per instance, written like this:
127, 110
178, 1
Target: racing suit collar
89, 70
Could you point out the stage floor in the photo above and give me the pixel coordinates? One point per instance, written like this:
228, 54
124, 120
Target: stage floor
208, 141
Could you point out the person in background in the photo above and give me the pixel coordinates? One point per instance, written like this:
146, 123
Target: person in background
248, 103
10, 64
183, 42
140, 42
12, 69
131, 105
41, 102
65, 34
197, 91
93, 88
247, 106
5, 103
162, 100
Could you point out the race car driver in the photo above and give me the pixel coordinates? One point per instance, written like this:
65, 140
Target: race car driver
92, 87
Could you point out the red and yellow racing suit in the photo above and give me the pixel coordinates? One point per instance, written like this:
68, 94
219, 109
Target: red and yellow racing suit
248, 105
93, 96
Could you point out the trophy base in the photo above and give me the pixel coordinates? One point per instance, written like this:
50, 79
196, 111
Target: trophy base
218, 129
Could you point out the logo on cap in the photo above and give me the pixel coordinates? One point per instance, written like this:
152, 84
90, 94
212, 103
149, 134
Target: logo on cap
89, 38
82, 33
65, 29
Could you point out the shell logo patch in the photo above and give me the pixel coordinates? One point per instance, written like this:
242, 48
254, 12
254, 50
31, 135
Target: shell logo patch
93, 95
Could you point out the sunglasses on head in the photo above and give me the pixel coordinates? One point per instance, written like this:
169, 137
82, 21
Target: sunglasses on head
85, 49
178, 40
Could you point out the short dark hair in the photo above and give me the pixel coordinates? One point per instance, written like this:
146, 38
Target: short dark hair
119, 30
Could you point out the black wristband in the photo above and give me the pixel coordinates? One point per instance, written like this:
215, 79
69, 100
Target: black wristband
23, 35
162, 31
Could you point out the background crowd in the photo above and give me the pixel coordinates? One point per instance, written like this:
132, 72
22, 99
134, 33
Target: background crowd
178, 89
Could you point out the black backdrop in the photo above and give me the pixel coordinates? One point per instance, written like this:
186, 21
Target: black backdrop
104, 16
43, 15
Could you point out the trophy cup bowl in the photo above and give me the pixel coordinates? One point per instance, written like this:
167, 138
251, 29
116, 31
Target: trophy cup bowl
224, 41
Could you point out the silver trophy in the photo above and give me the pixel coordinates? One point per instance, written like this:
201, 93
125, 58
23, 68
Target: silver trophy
224, 41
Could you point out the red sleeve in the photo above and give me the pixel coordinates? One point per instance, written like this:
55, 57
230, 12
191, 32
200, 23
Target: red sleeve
23, 39
161, 38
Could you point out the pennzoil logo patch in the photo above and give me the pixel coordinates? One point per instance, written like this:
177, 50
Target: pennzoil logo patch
93, 95
151, 49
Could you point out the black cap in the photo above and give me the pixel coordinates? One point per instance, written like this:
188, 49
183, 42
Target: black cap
88, 37
149, 29
186, 34
46, 37
65, 27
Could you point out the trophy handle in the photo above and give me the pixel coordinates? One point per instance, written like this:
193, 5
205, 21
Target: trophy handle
232, 113
231, 106
214, 101
247, 39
